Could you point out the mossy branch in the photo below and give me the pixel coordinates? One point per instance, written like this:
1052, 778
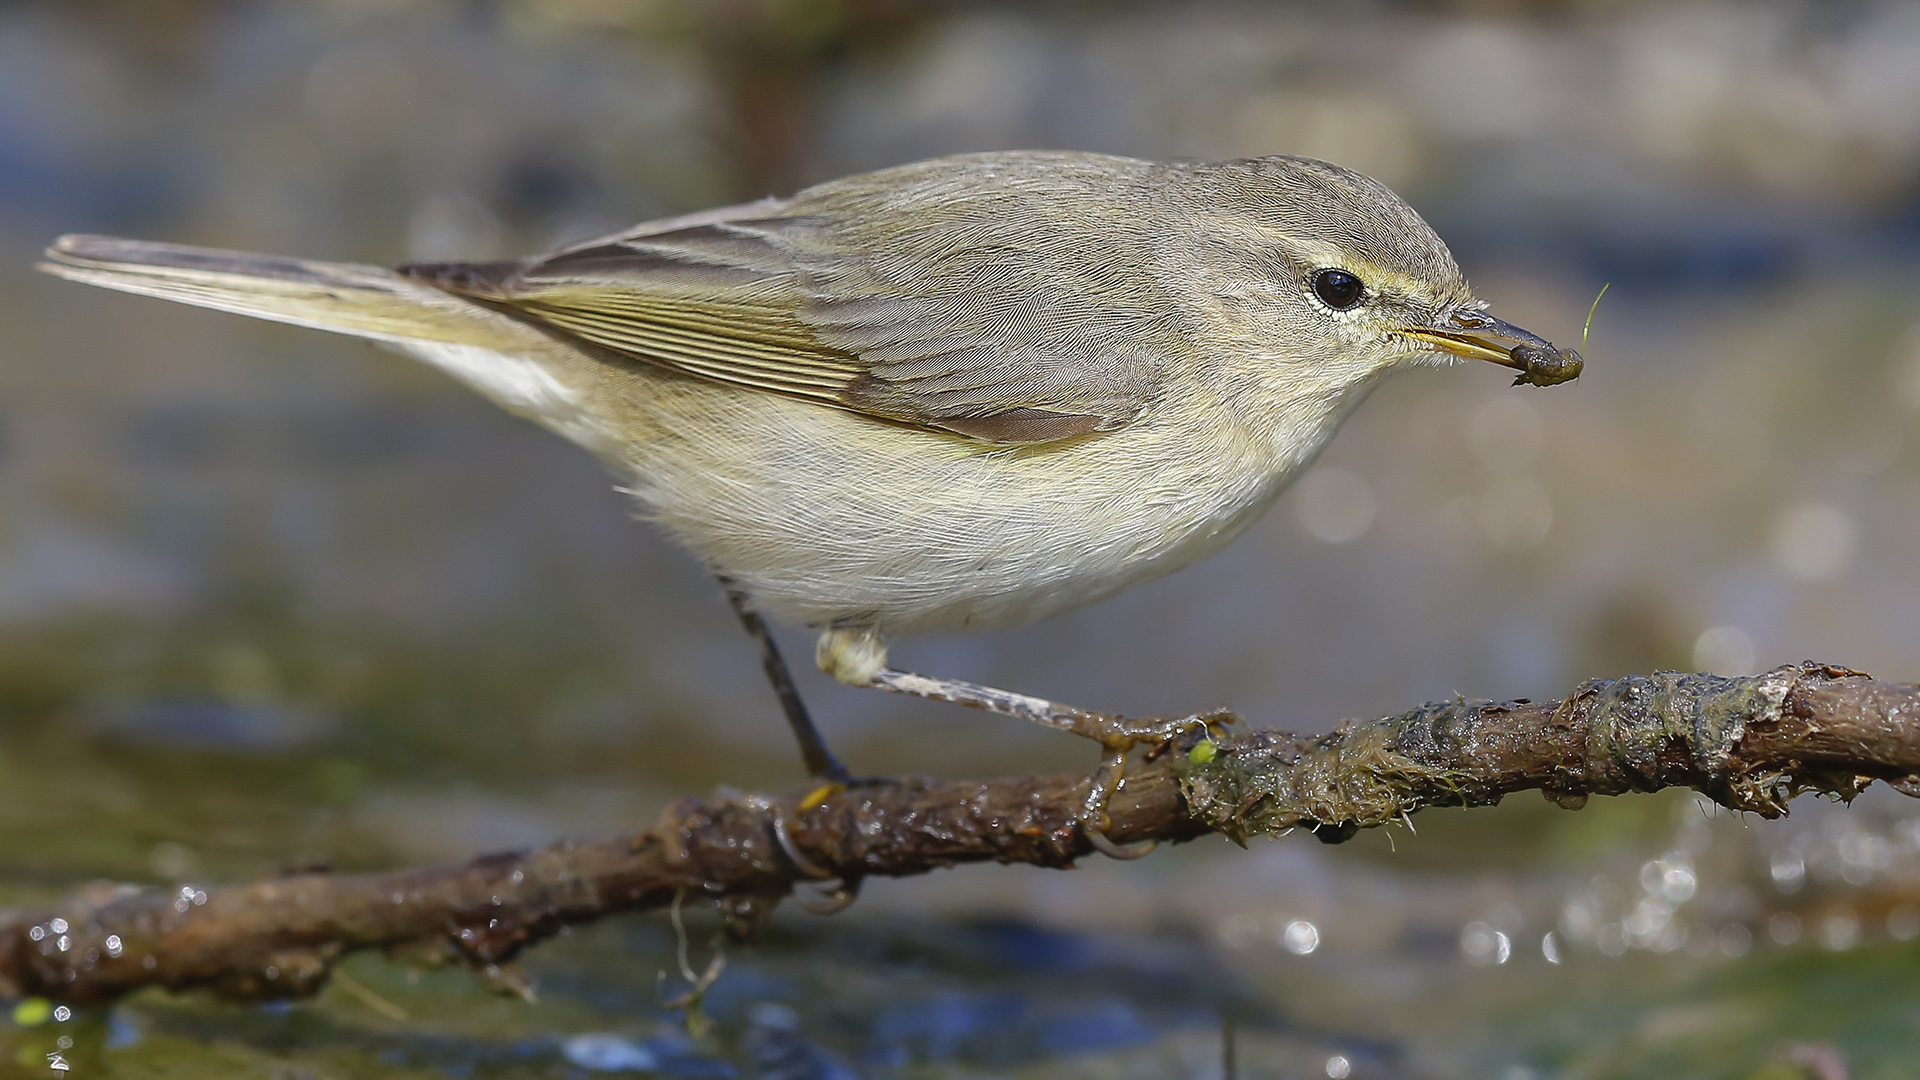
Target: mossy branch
1749, 743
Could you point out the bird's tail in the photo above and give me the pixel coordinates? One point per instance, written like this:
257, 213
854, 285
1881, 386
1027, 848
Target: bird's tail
344, 297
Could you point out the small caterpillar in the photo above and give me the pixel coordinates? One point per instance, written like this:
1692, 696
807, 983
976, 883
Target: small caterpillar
1550, 366
1546, 367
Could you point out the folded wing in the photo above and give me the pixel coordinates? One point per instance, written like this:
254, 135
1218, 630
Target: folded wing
983, 313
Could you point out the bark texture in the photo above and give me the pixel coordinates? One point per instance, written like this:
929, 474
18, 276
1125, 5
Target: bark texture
1749, 743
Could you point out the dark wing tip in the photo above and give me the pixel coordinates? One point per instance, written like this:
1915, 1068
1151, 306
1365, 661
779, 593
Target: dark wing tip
1012, 424
1020, 426
473, 278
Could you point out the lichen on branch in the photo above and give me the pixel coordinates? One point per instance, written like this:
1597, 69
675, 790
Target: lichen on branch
1749, 743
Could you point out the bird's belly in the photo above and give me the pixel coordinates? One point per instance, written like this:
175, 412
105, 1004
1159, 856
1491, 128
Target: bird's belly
828, 517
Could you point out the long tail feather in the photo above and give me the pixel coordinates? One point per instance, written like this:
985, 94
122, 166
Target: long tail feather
344, 297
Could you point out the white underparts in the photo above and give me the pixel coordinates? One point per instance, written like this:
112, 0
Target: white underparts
515, 383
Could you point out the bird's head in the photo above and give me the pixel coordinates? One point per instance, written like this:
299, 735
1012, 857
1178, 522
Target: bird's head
1332, 270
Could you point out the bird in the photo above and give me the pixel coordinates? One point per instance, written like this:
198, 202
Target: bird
964, 393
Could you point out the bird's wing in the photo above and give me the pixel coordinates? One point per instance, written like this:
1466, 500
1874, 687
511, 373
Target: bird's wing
979, 319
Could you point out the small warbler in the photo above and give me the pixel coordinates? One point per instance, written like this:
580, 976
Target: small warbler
964, 393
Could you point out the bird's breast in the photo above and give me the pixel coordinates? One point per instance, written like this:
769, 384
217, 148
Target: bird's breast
829, 517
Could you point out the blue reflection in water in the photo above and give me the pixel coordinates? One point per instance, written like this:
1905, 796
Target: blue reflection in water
1000, 1027
674, 1056
779, 1051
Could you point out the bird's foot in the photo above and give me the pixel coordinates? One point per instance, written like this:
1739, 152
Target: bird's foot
1118, 735
1123, 733
831, 786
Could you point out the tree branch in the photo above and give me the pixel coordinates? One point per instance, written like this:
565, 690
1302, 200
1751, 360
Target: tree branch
1749, 743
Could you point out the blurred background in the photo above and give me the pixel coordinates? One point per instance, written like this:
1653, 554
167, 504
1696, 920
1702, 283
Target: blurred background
269, 596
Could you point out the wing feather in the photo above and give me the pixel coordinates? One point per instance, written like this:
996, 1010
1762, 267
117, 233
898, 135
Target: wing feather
921, 295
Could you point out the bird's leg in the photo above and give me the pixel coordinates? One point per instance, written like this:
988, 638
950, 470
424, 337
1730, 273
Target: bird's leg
857, 656
821, 764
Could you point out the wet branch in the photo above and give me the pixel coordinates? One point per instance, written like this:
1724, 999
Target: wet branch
1749, 743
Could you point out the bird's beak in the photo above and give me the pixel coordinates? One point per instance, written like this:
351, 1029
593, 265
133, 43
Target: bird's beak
1479, 336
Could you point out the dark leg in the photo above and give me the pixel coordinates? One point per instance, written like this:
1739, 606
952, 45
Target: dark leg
821, 764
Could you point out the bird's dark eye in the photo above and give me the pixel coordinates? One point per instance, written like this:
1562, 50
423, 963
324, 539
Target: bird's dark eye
1339, 289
